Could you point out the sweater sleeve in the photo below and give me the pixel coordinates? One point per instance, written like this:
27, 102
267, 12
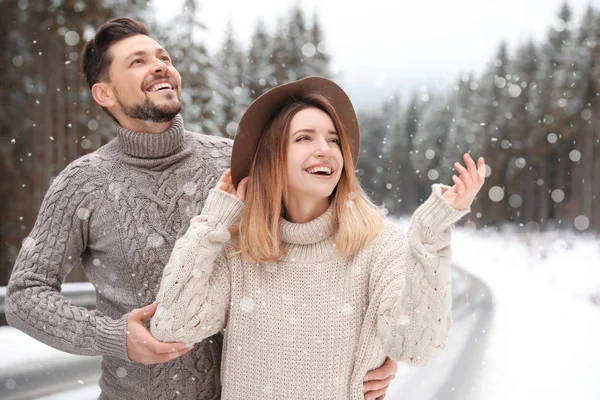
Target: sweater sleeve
195, 290
414, 312
34, 303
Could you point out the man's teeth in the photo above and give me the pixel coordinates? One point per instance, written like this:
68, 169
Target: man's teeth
159, 86
315, 170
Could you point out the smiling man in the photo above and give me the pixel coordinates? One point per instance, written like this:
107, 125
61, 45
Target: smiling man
118, 211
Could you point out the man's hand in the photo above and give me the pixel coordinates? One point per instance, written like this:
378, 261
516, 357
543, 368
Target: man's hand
142, 347
378, 380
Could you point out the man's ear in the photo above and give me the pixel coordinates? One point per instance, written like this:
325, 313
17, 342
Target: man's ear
103, 95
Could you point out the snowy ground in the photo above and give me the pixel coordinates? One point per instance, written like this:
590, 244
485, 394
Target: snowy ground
527, 323
536, 336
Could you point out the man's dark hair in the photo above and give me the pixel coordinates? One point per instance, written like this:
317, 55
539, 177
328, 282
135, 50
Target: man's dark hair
96, 59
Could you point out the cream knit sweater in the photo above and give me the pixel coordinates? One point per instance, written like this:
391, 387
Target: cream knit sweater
311, 325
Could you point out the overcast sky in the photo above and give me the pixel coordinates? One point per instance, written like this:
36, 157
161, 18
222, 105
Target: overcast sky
381, 45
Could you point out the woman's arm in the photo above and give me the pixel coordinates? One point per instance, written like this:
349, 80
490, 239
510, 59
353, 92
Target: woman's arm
195, 289
414, 312
414, 315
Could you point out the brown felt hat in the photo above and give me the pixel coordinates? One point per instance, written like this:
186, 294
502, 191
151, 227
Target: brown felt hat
258, 114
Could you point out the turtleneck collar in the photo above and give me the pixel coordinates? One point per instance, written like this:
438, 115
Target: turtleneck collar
151, 145
311, 232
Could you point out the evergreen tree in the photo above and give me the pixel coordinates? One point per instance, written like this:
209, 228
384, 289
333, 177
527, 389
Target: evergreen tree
260, 72
233, 95
180, 37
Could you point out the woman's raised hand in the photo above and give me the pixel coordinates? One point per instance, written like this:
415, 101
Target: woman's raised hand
461, 195
226, 184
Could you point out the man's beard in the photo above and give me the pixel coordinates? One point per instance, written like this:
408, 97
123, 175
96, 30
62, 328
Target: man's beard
148, 111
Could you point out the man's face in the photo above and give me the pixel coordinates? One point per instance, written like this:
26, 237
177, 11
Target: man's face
144, 84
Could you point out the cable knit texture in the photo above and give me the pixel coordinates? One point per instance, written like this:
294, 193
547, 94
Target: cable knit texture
118, 211
311, 325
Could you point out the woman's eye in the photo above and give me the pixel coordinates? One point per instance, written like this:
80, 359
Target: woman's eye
302, 138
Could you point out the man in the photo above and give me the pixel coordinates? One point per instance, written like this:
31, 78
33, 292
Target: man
119, 211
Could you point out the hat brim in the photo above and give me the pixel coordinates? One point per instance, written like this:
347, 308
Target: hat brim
262, 109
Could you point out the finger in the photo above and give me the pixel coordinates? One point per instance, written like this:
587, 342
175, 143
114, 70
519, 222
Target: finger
464, 174
241, 189
145, 312
388, 368
460, 185
481, 170
471, 167
158, 347
392, 365
226, 177
375, 394
174, 354
377, 385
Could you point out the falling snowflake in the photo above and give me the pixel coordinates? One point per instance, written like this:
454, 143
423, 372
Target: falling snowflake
347, 309
10, 384
581, 222
558, 195
575, 155
515, 201
72, 38
83, 213
28, 243
155, 240
496, 193
247, 304
309, 50
190, 188
403, 320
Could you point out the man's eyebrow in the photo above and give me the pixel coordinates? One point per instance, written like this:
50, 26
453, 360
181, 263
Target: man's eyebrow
140, 53
136, 54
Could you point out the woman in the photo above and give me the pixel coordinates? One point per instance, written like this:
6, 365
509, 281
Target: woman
313, 287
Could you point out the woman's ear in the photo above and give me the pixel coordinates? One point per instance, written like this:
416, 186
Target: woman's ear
103, 95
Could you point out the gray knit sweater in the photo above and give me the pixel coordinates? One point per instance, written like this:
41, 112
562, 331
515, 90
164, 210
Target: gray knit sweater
119, 211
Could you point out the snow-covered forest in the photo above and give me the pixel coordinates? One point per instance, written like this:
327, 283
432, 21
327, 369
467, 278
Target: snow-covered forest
533, 112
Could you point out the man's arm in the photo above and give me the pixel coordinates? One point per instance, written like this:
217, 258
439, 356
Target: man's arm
34, 303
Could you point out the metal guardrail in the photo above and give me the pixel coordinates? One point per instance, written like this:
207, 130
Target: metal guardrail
81, 294
50, 371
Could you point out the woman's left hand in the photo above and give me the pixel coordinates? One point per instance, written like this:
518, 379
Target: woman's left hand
226, 184
461, 195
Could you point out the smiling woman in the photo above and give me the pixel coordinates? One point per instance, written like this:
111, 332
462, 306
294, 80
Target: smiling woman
311, 286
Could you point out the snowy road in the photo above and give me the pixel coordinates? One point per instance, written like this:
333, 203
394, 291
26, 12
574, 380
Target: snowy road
514, 338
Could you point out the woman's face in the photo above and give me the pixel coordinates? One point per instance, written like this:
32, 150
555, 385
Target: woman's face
314, 156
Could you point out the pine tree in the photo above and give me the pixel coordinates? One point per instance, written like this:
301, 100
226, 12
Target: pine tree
191, 58
521, 176
260, 72
491, 136
233, 95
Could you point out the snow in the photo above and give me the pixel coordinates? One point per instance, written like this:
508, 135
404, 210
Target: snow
539, 338
527, 322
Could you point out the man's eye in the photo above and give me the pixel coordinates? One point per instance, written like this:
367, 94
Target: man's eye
136, 61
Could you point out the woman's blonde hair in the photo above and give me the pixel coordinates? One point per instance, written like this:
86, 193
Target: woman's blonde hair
358, 220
